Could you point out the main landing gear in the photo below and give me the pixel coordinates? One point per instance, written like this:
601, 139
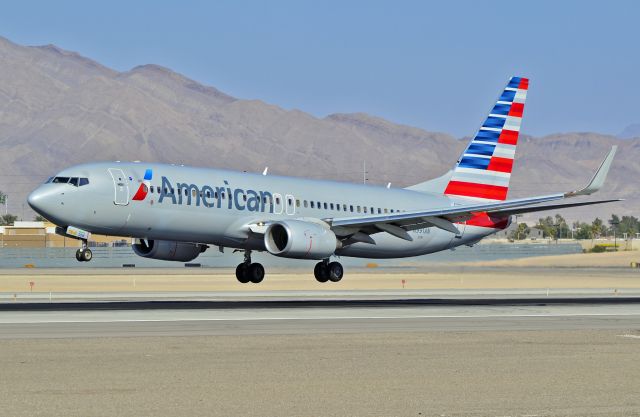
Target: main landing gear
248, 271
84, 254
328, 271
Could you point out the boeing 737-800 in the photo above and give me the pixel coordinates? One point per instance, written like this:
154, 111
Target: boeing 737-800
174, 213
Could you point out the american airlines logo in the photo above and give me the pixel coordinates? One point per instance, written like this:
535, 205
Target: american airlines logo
213, 196
143, 190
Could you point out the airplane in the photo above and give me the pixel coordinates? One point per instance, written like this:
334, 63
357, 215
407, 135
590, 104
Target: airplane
175, 213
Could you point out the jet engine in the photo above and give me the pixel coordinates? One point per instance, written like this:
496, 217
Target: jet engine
168, 250
300, 239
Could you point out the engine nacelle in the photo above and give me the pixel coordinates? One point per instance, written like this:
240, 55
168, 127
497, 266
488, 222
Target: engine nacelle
167, 250
300, 239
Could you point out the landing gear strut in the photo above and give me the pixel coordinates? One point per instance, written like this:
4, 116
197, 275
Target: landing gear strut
328, 271
248, 271
84, 254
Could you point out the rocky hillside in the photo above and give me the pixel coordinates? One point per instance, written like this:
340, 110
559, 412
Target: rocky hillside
59, 108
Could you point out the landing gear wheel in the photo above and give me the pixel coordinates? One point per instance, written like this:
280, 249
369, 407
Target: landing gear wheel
335, 271
87, 255
321, 272
84, 255
241, 273
255, 272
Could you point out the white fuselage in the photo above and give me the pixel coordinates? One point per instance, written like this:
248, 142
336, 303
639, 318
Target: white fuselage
214, 207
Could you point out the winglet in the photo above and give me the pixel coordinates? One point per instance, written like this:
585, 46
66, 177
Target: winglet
598, 178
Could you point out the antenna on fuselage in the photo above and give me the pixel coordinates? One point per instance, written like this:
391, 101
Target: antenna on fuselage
266, 169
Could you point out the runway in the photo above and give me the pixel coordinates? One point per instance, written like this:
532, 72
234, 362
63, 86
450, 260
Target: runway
474, 355
295, 316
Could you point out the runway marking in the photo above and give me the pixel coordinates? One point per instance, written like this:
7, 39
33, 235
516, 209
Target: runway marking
629, 336
142, 320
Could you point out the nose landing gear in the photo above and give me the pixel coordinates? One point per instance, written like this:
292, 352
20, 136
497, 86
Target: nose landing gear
84, 254
248, 271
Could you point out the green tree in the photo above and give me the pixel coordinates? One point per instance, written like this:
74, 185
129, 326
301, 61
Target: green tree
7, 219
629, 225
39, 218
598, 228
584, 231
521, 232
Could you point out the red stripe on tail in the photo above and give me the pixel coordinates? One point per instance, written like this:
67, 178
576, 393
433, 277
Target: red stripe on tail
469, 189
500, 164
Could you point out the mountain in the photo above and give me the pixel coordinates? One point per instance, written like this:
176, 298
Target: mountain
58, 108
630, 132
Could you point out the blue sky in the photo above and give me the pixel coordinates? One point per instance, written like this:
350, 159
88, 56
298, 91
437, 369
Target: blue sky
436, 65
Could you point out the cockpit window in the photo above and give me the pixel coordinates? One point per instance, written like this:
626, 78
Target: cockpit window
75, 181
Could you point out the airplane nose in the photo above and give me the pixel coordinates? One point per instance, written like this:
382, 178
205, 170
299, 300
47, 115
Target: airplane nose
38, 200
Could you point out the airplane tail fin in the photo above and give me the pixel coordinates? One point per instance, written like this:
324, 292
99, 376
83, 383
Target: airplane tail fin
484, 169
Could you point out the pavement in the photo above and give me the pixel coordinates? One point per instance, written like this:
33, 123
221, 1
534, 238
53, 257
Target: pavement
450, 341
419, 357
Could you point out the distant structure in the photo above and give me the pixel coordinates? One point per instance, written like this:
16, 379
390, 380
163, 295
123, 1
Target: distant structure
43, 235
534, 234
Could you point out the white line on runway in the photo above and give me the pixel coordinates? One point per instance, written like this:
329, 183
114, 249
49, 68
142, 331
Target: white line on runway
403, 317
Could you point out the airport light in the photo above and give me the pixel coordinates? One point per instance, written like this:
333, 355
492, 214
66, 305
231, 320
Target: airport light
615, 224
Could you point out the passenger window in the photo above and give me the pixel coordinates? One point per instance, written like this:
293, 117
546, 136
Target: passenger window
222, 195
289, 202
386, 210
365, 209
344, 207
372, 211
297, 202
325, 206
358, 209
306, 204
84, 181
193, 193
150, 188
208, 194
244, 197
277, 200
331, 206
351, 208
312, 204
379, 210
319, 206
392, 210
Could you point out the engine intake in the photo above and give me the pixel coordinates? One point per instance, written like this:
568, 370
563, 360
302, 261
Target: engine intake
300, 239
168, 250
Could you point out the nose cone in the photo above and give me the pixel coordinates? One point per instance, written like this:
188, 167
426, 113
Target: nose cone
40, 201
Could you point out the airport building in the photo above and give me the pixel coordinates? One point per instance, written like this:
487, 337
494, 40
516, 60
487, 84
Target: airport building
43, 235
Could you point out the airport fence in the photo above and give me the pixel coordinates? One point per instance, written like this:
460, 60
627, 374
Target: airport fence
118, 256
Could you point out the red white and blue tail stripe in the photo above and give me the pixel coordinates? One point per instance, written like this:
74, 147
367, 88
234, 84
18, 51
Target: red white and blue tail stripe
484, 169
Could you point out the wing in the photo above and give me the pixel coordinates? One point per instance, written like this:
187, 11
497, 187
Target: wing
444, 218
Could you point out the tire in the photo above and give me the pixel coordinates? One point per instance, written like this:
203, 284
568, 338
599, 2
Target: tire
336, 271
255, 273
241, 273
79, 255
87, 255
320, 272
